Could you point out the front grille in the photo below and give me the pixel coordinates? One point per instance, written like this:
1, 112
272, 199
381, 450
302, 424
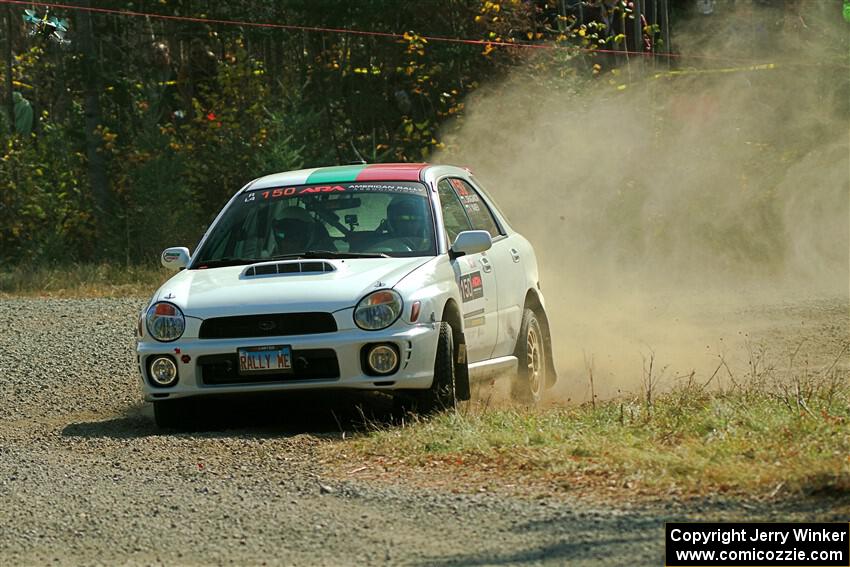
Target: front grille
308, 364
273, 325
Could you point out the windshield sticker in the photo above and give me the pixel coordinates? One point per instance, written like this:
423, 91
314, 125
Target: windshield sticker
410, 188
279, 192
471, 287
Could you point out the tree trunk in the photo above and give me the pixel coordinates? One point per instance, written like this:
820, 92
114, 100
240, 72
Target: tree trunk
98, 181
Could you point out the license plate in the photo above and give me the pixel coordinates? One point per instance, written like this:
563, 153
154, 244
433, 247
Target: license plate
265, 359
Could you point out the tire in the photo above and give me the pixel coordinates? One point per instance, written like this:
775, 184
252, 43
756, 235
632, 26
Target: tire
442, 394
176, 414
530, 380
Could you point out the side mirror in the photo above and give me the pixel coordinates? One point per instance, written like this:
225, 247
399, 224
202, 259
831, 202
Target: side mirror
471, 242
175, 258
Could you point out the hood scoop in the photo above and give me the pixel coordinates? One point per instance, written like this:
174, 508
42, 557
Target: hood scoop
290, 267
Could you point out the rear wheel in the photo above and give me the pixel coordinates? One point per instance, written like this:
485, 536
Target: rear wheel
530, 380
442, 394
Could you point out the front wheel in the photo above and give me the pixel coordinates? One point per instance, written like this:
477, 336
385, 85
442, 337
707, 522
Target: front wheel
530, 351
442, 394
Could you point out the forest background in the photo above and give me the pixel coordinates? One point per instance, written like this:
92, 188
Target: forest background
131, 136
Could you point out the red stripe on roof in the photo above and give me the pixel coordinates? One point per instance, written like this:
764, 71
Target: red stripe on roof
391, 172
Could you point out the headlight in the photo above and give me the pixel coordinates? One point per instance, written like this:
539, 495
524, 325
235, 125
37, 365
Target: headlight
378, 310
165, 321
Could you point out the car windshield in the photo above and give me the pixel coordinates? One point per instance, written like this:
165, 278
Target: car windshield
342, 220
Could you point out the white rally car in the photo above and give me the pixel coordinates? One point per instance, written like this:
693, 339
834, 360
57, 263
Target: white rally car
396, 277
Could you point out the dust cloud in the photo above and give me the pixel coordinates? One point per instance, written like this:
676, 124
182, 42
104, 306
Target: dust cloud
683, 213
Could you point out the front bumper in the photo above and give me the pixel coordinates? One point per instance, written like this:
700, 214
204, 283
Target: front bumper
417, 346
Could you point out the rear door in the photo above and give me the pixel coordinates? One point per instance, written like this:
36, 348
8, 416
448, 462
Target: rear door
475, 277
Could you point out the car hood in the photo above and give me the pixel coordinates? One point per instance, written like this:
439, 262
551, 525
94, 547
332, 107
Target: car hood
229, 291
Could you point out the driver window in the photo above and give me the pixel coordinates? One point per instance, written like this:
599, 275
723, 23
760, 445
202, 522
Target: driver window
454, 217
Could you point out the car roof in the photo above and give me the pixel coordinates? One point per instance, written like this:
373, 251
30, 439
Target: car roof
343, 174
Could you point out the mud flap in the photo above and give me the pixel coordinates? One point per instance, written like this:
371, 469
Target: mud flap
462, 391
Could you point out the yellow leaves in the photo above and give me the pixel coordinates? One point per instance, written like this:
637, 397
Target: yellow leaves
456, 109
488, 49
373, 70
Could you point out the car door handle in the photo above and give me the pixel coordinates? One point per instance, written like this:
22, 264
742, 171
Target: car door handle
515, 254
486, 266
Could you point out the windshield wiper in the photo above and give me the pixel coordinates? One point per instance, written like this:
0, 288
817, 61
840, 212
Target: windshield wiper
222, 262
315, 254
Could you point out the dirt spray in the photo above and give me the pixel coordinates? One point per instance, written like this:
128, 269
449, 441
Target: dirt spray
686, 214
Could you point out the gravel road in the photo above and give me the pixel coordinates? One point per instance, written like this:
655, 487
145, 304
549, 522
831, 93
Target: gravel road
85, 478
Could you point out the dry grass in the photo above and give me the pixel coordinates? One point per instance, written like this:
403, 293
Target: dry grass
81, 280
777, 435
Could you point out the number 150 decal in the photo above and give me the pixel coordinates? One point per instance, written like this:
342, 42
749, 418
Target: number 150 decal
471, 287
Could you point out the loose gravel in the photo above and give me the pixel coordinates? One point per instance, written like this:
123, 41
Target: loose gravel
86, 478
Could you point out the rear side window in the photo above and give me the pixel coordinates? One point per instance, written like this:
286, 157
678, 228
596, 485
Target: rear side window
454, 218
476, 209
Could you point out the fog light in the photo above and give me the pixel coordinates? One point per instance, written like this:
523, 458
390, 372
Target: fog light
383, 359
163, 371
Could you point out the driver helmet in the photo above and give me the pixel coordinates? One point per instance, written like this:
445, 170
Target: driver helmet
294, 230
406, 216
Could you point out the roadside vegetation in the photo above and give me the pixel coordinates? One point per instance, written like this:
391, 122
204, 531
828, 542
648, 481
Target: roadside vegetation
768, 437
82, 280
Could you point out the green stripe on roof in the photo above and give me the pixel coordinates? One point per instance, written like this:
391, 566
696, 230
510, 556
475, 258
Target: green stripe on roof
339, 174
